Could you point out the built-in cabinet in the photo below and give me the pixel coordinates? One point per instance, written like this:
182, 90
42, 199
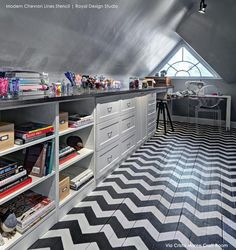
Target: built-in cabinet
121, 123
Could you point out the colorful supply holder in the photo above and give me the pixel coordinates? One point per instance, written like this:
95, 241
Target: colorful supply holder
4, 84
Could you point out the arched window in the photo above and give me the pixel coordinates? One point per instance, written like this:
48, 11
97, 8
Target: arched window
184, 62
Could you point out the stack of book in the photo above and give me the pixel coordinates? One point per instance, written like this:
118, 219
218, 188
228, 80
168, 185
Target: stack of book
32, 131
31, 82
29, 208
66, 153
76, 120
13, 176
78, 176
39, 159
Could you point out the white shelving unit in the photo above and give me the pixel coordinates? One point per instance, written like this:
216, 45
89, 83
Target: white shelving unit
112, 109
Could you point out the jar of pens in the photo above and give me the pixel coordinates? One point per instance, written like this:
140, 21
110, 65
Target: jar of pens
9, 88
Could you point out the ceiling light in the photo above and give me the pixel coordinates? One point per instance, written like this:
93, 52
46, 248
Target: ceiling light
202, 8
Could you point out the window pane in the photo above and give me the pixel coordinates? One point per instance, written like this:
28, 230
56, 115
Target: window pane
177, 57
182, 66
171, 72
204, 71
182, 73
194, 72
189, 57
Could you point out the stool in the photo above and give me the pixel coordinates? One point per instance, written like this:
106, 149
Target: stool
163, 108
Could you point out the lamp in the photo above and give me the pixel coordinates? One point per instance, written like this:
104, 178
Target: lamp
202, 8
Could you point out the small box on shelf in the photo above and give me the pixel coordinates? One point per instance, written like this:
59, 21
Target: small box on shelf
64, 186
6, 135
63, 121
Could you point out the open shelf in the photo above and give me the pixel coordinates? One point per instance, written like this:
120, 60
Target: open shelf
73, 193
26, 145
84, 152
35, 181
71, 130
18, 236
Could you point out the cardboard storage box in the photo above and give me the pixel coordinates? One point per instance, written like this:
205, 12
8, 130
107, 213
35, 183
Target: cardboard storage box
63, 121
64, 187
6, 135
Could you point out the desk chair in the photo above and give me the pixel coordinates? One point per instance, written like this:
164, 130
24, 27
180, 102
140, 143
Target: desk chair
209, 104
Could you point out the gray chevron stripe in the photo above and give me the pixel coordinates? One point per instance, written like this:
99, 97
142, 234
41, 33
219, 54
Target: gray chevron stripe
176, 188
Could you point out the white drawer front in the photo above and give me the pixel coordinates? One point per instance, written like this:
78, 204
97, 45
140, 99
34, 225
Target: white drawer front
127, 144
128, 105
107, 132
151, 108
152, 98
106, 158
127, 123
151, 118
107, 110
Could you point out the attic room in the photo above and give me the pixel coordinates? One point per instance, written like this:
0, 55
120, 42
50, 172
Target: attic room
117, 124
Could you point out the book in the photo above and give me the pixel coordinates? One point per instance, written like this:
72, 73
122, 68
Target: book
49, 158
32, 129
43, 205
7, 165
34, 161
68, 157
16, 187
10, 173
78, 176
29, 207
27, 140
12, 178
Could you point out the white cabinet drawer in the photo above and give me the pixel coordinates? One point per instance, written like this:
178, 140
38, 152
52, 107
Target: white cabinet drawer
127, 123
151, 108
151, 118
152, 98
127, 144
106, 158
128, 105
107, 132
107, 110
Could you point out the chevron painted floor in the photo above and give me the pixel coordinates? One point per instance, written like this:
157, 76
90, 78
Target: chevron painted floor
178, 191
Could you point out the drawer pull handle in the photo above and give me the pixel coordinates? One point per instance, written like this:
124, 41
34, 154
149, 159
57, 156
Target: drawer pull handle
109, 134
109, 109
128, 125
4, 138
109, 159
64, 189
62, 122
128, 145
128, 104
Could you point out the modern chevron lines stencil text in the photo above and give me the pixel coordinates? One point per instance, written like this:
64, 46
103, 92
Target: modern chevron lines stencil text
178, 191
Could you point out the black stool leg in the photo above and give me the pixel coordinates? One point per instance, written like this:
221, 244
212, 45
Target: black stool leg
158, 114
164, 115
168, 114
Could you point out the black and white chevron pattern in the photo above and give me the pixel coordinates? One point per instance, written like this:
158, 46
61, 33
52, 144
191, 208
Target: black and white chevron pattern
178, 191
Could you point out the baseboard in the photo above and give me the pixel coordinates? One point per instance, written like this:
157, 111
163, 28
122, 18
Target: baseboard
200, 121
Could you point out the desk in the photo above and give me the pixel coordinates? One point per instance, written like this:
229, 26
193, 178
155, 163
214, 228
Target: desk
228, 106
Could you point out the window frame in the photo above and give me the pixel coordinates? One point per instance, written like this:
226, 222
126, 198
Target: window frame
182, 44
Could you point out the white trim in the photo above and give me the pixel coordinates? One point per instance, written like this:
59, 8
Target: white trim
195, 54
205, 121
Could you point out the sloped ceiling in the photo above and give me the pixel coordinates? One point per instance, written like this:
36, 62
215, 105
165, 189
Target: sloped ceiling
130, 40
213, 36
